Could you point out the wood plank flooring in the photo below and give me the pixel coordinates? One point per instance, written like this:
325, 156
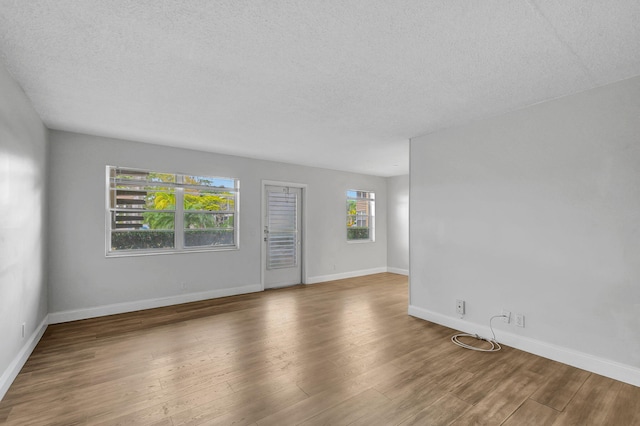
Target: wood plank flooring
338, 353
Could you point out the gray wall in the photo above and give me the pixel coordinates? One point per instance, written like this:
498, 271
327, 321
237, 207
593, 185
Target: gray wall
81, 277
398, 224
536, 211
23, 289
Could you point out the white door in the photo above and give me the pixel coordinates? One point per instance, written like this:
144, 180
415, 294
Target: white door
282, 236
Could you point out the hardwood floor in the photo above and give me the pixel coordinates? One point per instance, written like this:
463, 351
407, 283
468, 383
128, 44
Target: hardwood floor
338, 353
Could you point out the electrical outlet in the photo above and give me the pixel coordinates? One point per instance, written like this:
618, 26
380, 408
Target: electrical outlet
506, 316
520, 320
24, 327
460, 306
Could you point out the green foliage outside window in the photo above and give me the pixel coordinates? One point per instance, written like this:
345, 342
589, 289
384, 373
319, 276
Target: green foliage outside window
359, 233
220, 202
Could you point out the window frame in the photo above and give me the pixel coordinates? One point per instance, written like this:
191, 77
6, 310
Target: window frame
371, 200
179, 187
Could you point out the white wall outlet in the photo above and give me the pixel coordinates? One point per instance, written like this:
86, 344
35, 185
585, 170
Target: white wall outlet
24, 329
183, 286
506, 316
520, 320
460, 306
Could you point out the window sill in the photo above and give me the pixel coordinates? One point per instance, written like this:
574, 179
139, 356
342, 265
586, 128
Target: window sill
162, 253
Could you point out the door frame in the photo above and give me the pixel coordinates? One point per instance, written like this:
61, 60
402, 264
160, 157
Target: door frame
303, 226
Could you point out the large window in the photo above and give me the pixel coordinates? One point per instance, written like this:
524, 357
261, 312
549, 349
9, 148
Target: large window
156, 212
360, 215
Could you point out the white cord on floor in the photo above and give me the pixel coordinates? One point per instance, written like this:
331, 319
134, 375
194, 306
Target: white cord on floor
495, 346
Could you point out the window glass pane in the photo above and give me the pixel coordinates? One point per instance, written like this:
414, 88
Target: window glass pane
124, 220
210, 181
141, 175
208, 220
128, 197
208, 200
141, 190
161, 177
142, 239
209, 237
361, 194
148, 230
153, 220
132, 197
356, 233
360, 213
208, 229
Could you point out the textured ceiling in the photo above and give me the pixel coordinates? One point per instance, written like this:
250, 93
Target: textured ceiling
336, 84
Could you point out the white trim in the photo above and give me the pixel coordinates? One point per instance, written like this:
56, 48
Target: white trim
18, 362
372, 216
398, 271
615, 370
343, 275
119, 308
409, 219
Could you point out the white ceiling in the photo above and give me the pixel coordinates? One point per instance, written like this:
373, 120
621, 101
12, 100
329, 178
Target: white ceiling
336, 83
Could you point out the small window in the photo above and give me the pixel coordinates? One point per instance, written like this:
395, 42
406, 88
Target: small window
157, 212
360, 215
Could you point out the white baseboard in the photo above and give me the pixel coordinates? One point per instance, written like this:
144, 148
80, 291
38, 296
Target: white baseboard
18, 362
119, 308
398, 271
344, 275
604, 367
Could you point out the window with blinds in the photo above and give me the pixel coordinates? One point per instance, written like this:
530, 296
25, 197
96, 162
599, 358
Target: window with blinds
360, 215
151, 212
